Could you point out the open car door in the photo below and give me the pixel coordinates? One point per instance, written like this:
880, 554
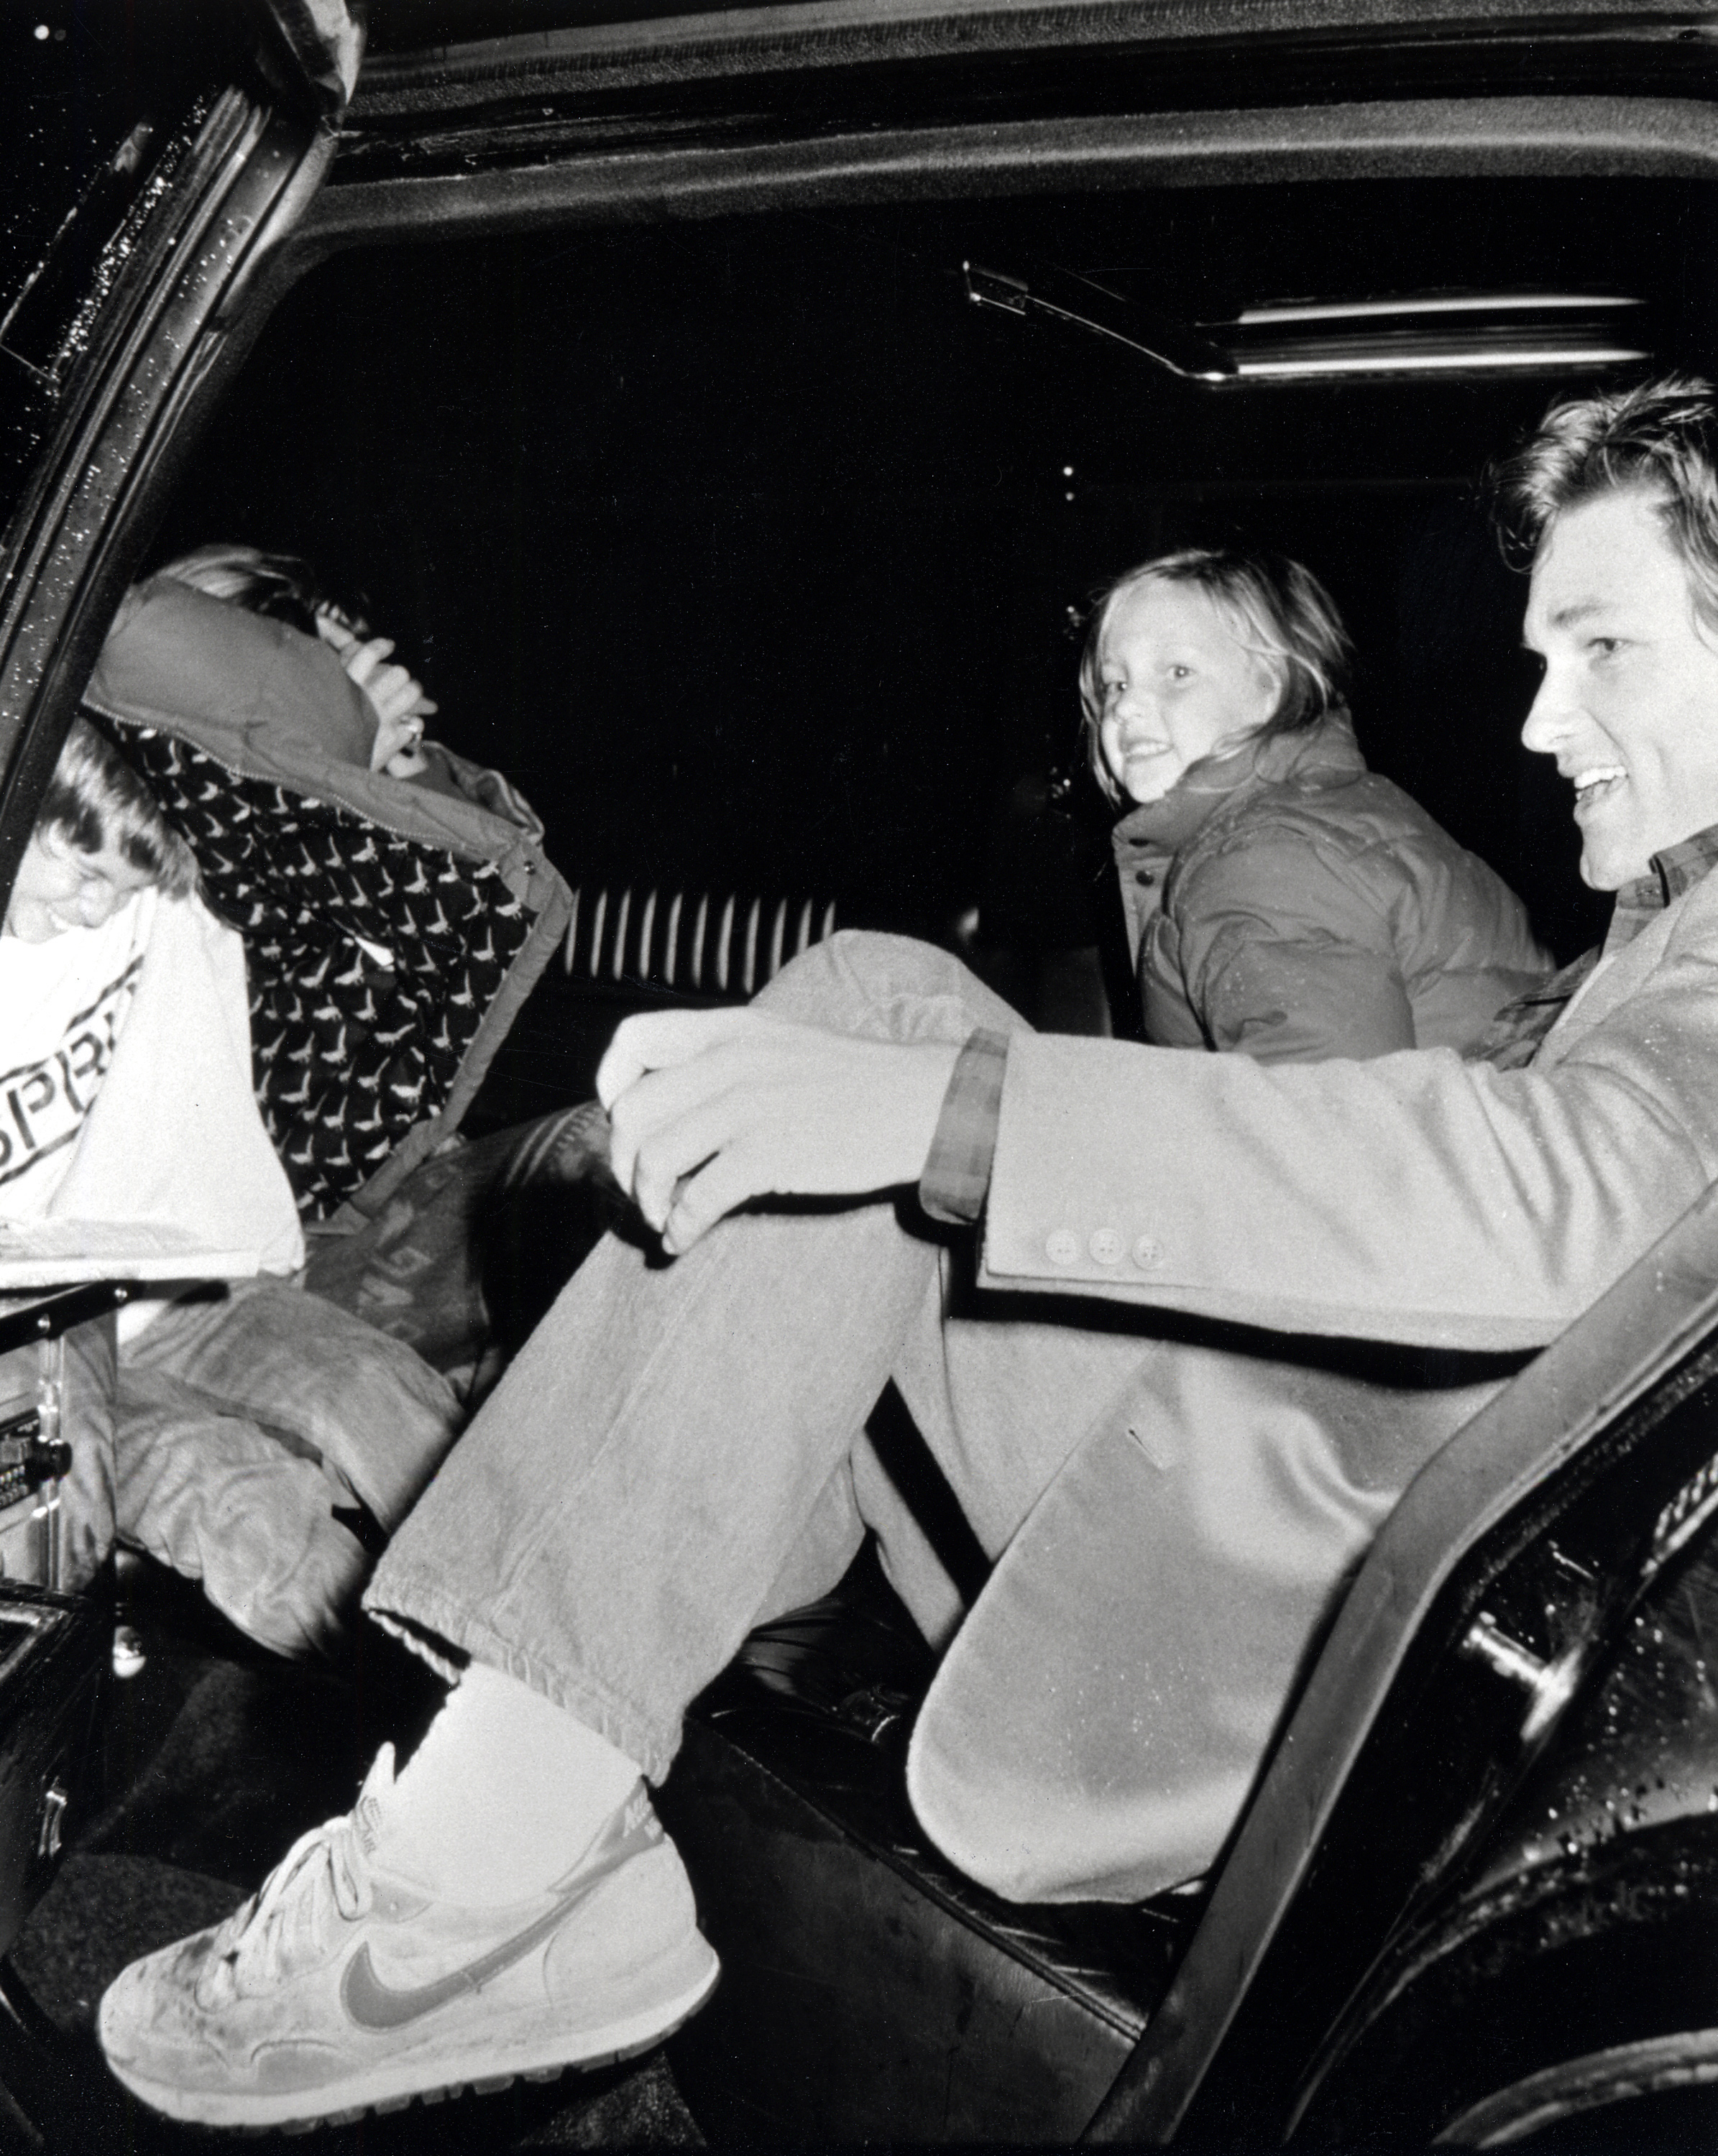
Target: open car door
161, 155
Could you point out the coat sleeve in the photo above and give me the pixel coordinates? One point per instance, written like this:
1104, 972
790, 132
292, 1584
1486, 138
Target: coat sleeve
1416, 1198
1289, 956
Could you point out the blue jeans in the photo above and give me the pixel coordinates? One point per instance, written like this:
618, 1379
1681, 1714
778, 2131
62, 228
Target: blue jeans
678, 1452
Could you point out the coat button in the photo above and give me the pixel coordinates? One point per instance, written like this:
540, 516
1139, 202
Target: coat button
1106, 1246
1148, 1252
1146, 876
1062, 1246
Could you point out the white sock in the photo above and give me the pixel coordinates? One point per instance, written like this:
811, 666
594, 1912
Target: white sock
505, 1794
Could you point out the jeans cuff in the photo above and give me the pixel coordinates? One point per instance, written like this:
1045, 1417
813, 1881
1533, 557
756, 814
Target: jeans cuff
416, 1610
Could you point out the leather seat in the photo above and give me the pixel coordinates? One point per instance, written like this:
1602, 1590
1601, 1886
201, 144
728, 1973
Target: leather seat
869, 1991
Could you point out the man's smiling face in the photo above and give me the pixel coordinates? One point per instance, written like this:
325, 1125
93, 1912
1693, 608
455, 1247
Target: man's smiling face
1629, 706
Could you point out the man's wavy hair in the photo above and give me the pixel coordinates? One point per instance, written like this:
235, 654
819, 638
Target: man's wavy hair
96, 804
1659, 440
1274, 609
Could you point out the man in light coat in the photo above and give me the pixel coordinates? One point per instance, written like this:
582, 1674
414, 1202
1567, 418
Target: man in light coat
1146, 1400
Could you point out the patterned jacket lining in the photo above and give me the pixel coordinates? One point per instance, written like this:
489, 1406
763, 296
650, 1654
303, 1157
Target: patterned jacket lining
350, 1051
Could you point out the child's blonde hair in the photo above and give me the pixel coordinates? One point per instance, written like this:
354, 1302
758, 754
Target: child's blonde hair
1274, 609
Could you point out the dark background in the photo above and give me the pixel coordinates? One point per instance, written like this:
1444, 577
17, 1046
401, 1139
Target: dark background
747, 547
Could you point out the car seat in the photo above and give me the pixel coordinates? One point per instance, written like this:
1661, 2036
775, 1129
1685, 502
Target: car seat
1469, 1889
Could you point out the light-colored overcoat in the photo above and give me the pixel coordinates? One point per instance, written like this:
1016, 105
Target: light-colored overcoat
1098, 1723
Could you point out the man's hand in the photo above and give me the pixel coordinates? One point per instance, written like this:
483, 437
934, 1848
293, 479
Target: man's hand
711, 1108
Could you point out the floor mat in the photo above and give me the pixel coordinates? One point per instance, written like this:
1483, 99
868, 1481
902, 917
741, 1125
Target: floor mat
216, 1756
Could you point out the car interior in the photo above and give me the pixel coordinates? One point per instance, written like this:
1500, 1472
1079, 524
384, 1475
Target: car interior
755, 550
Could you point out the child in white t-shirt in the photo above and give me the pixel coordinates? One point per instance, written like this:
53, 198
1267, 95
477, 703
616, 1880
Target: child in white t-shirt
232, 1429
76, 928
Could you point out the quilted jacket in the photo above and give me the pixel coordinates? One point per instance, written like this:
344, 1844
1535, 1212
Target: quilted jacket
1289, 902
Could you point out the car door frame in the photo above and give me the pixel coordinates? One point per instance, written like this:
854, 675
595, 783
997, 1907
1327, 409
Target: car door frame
174, 301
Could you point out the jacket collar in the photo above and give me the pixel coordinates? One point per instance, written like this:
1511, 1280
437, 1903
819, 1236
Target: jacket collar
1673, 872
1324, 755
1519, 1029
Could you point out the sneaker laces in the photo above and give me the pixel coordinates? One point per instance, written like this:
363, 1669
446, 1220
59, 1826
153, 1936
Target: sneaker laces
282, 1927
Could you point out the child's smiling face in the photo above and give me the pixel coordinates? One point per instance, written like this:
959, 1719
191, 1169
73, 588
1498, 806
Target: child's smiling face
60, 886
1176, 687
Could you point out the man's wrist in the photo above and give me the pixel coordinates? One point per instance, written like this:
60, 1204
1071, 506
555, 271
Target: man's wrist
957, 1170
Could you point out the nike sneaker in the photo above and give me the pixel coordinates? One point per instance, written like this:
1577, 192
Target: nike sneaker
345, 1985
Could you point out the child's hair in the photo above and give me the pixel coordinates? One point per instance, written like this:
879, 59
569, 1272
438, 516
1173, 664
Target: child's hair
280, 586
1274, 609
96, 803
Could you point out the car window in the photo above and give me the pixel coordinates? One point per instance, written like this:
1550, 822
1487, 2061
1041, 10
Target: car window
753, 549
90, 110
176, 153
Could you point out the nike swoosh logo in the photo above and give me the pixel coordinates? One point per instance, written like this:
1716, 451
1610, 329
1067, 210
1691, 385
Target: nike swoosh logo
373, 2004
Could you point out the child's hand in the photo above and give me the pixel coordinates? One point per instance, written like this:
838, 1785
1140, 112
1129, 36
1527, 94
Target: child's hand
395, 696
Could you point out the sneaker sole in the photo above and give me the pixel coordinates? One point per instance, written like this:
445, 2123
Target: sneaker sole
483, 2065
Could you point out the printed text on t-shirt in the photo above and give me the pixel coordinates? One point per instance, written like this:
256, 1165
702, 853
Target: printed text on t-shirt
43, 1105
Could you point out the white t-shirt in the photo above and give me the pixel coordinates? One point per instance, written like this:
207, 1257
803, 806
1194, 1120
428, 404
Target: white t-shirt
62, 1004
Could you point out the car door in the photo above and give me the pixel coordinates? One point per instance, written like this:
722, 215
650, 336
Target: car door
160, 157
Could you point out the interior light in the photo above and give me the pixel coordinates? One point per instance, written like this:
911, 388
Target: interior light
1444, 333
1441, 362
1430, 303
